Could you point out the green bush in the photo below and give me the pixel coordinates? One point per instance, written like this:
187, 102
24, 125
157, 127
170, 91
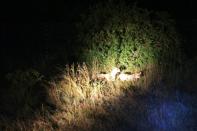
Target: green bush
120, 35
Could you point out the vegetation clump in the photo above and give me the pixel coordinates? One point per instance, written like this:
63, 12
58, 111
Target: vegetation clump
122, 35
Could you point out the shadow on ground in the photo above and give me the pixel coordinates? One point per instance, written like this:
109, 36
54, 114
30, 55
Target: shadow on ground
157, 109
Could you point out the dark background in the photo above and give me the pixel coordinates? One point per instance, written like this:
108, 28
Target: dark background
30, 30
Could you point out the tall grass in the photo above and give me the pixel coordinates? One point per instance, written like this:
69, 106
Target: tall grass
82, 103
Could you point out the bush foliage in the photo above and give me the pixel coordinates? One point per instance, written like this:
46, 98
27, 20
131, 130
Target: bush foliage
23, 90
121, 35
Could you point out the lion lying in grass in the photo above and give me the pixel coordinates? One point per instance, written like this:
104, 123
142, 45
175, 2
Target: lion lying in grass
116, 74
129, 76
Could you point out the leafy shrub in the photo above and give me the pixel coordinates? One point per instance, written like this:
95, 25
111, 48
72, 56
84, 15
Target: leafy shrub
120, 35
23, 93
24, 78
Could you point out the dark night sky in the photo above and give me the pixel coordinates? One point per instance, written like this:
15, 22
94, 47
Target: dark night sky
20, 23
45, 10
15, 16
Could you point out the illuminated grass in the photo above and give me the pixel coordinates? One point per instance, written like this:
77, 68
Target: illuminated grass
83, 104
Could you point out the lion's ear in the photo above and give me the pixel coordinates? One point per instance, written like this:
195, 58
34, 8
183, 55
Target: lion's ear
122, 67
